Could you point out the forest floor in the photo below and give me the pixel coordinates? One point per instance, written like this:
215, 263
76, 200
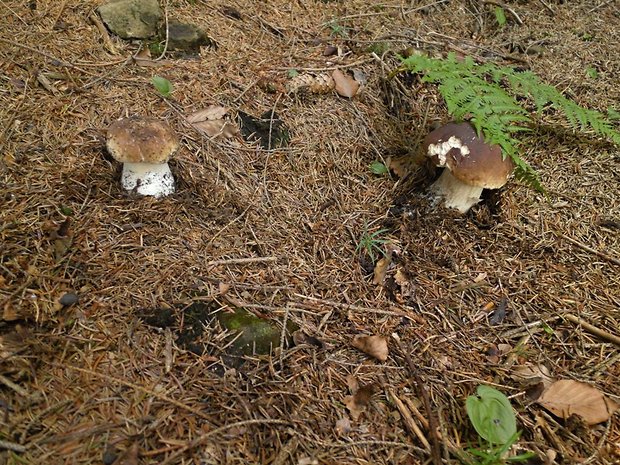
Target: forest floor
498, 296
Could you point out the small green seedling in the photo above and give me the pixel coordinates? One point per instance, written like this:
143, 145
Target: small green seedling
292, 73
494, 420
163, 86
372, 243
376, 167
500, 16
591, 72
337, 30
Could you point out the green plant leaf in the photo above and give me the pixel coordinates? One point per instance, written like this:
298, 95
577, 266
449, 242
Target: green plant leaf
376, 167
500, 16
492, 415
292, 73
163, 86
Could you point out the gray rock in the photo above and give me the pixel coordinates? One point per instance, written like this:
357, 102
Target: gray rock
131, 19
186, 37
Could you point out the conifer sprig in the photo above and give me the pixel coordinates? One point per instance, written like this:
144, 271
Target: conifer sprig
485, 94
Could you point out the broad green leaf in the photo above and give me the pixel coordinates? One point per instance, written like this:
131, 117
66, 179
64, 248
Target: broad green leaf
491, 415
163, 85
500, 16
378, 168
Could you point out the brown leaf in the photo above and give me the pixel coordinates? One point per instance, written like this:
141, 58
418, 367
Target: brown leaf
529, 374
358, 402
299, 338
129, 457
343, 426
402, 166
218, 128
345, 85
567, 397
375, 346
381, 269
143, 58
214, 112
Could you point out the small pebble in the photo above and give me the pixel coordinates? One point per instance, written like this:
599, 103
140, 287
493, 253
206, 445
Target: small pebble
69, 299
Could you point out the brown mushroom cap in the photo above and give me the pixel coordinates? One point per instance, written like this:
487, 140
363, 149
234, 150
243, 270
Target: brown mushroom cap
141, 140
457, 147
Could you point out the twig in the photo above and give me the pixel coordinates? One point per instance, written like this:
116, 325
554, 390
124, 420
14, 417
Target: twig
111, 378
107, 41
202, 438
59, 14
411, 425
40, 52
10, 384
600, 6
241, 261
331, 303
583, 246
422, 392
507, 8
12, 446
46, 83
168, 350
593, 329
167, 32
546, 5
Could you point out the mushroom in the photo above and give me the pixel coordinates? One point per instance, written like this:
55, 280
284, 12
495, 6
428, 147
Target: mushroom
470, 165
144, 146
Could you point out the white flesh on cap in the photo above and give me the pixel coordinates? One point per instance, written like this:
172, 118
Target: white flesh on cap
148, 178
455, 193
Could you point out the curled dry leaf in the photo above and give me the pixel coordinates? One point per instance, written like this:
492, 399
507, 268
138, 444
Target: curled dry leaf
129, 457
403, 165
375, 346
218, 128
343, 426
358, 402
143, 58
567, 397
299, 338
211, 121
214, 112
381, 270
529, 374
346, 86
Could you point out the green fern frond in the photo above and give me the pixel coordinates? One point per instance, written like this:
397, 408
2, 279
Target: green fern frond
486, 95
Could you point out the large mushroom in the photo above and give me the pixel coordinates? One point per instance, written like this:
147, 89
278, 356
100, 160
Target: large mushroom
470, 165
144, 145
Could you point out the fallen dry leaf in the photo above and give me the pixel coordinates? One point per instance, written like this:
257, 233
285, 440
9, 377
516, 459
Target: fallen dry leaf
343, 426
129, 457
213, 112
358, 402
381, 269
402, 166
143, 58
375, 346
218, 128
529, 374
346, 86
211, 121
567, 397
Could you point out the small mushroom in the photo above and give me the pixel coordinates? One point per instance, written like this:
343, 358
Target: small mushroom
144, 146
470, 165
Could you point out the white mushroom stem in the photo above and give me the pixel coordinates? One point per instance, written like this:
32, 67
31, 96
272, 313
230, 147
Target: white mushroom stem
148, 178
455, 193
